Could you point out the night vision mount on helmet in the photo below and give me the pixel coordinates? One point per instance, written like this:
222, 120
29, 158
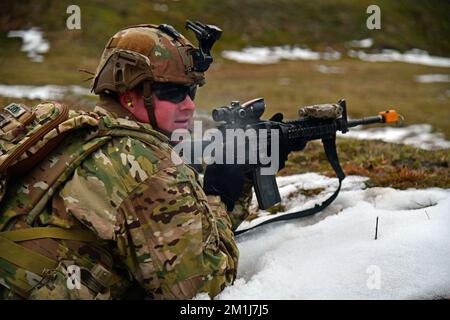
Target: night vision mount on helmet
206, 35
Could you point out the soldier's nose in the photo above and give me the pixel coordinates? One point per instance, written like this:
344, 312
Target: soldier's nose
187, 104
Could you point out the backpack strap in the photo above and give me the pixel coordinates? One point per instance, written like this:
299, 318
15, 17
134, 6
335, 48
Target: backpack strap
24, 258
59, 115
47, 232
15, 115
96, 278
29, 259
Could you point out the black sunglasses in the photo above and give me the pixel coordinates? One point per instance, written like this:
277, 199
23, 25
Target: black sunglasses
175, 93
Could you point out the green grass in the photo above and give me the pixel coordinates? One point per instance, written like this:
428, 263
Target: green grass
405, 23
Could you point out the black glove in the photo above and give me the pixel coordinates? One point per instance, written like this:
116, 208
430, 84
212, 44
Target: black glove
226, 181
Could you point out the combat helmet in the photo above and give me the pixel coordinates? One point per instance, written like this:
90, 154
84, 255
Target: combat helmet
146, 54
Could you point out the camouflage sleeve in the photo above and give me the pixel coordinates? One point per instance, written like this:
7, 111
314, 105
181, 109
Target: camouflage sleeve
174, 242
173, 239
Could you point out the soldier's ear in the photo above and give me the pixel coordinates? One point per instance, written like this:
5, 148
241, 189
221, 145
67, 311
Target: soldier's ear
122, 99
128, 98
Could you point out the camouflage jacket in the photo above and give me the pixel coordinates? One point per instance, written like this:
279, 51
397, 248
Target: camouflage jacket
157, 235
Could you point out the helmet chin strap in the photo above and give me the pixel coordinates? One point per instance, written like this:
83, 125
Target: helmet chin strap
149, 105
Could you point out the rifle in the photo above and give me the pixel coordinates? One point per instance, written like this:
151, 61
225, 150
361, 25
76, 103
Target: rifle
315, 122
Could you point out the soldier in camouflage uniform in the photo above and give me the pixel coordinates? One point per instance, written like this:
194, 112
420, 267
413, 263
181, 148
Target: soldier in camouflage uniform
136, 223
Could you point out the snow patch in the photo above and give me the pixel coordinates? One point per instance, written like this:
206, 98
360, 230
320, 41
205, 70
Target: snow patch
33, 42
364, 43
416, 56
47, 92
431, 78
418, 135
329, 69
268, 55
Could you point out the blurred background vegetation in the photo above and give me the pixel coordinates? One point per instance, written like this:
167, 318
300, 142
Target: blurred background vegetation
368, 87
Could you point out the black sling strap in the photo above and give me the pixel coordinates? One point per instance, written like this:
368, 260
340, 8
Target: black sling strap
329, 145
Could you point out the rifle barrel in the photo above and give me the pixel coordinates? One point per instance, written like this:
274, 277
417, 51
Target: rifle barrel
366, 120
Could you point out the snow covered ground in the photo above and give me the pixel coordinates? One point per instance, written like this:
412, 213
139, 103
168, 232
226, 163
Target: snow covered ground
432, 78
334, 255
47, 92
415, 56
268, 55
33, 43
417, 135
364, 43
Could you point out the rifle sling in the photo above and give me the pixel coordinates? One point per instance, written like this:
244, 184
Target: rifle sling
329, 145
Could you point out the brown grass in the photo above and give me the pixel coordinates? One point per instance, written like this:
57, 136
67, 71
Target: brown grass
386, 164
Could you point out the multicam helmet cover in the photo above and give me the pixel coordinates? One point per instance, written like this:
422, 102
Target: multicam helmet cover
157, 53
